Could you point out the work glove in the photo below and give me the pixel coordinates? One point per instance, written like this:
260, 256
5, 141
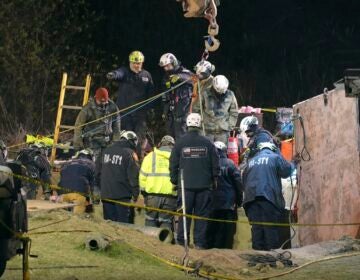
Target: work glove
174, 79
135, 198
110, 75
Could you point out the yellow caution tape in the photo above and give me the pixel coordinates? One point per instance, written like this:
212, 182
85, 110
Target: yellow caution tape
134, 205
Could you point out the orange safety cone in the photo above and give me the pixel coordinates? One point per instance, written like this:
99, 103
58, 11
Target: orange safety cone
233, 149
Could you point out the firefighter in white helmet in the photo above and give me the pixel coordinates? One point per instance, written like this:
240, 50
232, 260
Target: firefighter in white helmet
220, 110
177, 101
203, 70
195, 154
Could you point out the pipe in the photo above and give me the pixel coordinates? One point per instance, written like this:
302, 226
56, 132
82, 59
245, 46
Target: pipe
162, 234
96, 242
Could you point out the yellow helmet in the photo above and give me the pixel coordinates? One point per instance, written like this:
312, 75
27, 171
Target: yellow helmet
136, 57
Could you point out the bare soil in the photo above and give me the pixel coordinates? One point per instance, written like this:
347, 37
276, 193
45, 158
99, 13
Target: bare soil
58, 238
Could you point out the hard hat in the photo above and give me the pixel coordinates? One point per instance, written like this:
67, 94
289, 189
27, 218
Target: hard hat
130, 136
193, 120
136, 57
248, 122
166, 140
220, 145
168, 58
204, 68
86, 152
266, 145
102, 95
220, 83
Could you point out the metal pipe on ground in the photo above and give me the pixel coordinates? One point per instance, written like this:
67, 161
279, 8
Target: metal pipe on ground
162, 234
96, 242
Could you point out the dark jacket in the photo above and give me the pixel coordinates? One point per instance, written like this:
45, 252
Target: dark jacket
78, 175
177, 102
133, 88
37, 166
119, 171
261, 135
262, 177
229, 188
197, 156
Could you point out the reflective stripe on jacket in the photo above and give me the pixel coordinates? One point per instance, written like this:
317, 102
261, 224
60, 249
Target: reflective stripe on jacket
154, 177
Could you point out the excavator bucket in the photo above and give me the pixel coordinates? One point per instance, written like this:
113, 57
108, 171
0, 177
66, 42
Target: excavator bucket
197, 8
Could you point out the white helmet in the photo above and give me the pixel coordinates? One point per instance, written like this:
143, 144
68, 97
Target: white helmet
130, 136
220, 83
193, 120
247, 122
86, 152
204, 68
220, 145
168, 58
266, 145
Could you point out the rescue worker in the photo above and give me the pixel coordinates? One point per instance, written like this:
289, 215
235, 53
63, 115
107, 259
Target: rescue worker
263, 199
99, 134
77, 179
220, 110
203, 70
135, 85
119, 178
13, 215
155, 185
176, 102
196, 155
256, 135
37, 169
227, 198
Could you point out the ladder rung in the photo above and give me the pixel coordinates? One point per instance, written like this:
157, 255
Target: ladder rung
67, 126
75, 87
71, 107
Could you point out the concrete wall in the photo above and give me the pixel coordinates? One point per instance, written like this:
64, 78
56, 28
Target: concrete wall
329, 183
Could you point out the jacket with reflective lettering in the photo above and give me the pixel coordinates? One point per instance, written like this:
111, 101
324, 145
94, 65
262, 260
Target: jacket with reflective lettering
154, 175
119, 171
262, 178
197, 156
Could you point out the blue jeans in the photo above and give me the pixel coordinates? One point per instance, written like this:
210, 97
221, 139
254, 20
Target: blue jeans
264, 237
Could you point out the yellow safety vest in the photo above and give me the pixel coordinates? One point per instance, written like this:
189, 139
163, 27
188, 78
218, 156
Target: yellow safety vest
154, 177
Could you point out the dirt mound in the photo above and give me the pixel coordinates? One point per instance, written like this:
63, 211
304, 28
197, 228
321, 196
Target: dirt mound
230, 263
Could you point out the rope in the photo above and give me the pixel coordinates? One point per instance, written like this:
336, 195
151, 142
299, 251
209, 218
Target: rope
115, 113
133, 205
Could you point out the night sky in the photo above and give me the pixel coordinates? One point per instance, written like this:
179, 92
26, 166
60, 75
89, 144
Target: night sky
275, 53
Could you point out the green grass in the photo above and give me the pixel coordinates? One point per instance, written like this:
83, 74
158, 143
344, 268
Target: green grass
62, 255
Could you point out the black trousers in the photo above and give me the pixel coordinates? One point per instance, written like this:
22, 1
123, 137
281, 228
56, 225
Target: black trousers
221, 234
197, 203
264, 237
118, 213
176, 127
